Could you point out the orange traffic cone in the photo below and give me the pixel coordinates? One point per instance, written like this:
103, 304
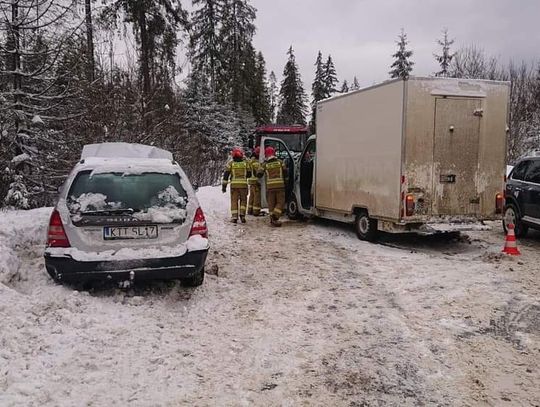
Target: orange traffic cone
510, 246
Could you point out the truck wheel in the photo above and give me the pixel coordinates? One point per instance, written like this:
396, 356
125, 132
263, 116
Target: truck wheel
365, 227
511, 215
194, 281
292, 209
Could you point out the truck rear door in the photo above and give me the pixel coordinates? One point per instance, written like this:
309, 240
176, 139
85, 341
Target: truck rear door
455, 156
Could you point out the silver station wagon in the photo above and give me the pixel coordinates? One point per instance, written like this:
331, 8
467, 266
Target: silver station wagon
127, 212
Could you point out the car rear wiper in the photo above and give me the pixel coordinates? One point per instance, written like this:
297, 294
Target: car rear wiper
127, 211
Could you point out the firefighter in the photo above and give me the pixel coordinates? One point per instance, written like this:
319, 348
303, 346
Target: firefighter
275, 172
238, 170
254, 198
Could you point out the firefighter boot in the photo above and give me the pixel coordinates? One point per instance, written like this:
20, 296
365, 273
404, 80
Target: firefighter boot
234, 220
242, 219
274, 221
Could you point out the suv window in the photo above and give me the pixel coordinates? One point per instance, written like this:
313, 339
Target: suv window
519, 172
533, 172
117, 191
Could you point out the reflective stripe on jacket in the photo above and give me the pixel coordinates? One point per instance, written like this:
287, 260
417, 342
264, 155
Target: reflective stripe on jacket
274, 170
254, 166
238, 172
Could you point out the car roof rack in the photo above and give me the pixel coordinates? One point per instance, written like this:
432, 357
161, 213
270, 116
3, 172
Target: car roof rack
124, 150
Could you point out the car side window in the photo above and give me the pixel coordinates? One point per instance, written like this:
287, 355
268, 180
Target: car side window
533, 172
519, 172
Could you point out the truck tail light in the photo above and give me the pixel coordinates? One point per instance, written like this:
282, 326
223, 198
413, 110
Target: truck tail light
409, 205
499, 203
56, 236
199, 224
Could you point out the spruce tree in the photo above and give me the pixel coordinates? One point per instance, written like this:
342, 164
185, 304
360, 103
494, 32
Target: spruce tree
260, 95
205, 53
344, 87
355, 84
318, 90
330, 77
17, 196
446, 56
402, 65
292, 107
237, 55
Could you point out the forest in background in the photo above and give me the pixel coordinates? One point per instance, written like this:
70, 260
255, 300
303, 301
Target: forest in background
63, 86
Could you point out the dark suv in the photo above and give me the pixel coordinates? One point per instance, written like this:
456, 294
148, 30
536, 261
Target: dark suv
523, 196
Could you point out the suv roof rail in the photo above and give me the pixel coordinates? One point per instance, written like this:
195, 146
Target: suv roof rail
124, 150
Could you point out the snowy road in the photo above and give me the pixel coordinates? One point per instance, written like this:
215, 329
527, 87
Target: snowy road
302, 315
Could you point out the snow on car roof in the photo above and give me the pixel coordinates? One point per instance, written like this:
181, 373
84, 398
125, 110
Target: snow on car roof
124, 150
127, 166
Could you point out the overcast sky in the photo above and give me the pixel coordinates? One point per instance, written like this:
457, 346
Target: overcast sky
360, 34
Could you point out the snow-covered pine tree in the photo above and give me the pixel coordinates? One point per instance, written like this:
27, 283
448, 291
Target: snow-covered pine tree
402, 65
344, 87
211, 129
292, 107
273, 91
330, 77
17, 195
355, 84
205, 55
318, 91
38, 93
445, 58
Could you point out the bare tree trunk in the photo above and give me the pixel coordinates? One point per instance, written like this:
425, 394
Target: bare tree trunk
16, 60
145, 66
90, 41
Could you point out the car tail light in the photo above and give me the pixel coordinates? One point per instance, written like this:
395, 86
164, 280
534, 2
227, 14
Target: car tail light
499, 203
56, 236
199, 224
409, 205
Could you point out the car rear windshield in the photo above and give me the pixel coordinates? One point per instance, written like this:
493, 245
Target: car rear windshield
131, 192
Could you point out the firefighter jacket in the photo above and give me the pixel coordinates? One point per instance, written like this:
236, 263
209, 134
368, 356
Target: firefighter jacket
275, 172
255, 167
236, 173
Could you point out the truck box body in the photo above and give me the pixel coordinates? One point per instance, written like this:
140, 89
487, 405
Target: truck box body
439, 142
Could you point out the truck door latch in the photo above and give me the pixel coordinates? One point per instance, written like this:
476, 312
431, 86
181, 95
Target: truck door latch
478, 112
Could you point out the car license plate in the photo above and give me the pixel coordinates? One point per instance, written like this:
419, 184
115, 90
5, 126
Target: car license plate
130, 232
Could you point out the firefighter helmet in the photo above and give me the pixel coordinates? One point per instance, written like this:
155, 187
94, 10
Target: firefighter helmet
269, 152
237, 152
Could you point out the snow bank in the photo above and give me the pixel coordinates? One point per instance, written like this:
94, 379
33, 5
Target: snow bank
19, 229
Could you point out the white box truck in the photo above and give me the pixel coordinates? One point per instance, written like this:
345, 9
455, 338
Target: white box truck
422, 155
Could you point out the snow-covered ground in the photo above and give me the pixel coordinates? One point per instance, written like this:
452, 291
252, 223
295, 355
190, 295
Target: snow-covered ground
301, 315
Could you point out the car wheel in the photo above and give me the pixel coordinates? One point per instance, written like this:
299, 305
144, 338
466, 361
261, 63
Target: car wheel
365, 227
293, 212
511, 215
195, 280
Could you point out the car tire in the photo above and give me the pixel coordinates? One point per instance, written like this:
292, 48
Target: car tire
293, 212
365, 227
195, 280
511, 213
